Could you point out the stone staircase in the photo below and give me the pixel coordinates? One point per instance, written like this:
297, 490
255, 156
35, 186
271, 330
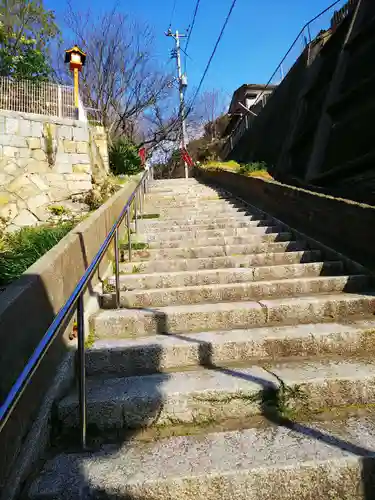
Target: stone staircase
239, 366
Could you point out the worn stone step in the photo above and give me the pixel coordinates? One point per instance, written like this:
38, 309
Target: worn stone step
154, 226
226, 275
179, 236
159, 353
163, 236
186, 217
216, 251
204, 215
169, 196
221, 393
320, 461
197, 211
188, 202
235, 292
237, 261
273, 234
157, 224
230, 315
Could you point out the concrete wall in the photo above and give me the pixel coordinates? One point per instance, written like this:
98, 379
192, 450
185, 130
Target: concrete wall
265, 138
43, 161
27, 308
344, 225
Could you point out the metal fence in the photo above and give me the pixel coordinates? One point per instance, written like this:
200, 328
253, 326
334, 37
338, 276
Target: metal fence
43, 98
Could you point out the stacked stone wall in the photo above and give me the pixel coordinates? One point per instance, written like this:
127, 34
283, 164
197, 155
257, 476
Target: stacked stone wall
43, 161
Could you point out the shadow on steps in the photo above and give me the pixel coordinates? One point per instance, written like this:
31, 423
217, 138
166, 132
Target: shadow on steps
270, 397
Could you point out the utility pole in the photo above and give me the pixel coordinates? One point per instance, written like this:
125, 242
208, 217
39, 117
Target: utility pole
182, 84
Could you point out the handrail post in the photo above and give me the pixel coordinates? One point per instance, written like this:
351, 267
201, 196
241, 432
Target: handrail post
117, 268
135, 214
140, 199
82, 370
129, 234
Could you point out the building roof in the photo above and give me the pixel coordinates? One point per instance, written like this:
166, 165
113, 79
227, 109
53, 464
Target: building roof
240, 93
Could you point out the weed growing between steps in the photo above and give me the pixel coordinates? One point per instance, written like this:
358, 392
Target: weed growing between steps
90, 339
148, 216
136, 245
282, 403
136, 269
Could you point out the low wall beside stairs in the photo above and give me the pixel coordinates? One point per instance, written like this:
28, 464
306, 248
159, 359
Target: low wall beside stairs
344, 225
27, 308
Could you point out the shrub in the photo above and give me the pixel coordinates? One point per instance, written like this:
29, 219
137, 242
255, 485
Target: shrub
123, 158
24, 247
257, 166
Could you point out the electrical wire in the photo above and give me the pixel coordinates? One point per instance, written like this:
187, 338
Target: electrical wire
211, 58
177, 121
172, 13
192, 24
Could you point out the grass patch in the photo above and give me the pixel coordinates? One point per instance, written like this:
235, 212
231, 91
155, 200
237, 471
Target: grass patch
136, 245
253, 169
225, 165
90, 339
136, 269
19, 250
277, 403
149, 216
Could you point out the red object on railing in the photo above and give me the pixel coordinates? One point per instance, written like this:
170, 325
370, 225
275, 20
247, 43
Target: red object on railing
186, 157
142, 155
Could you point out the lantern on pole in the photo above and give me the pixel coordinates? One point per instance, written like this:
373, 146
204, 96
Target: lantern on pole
76, 59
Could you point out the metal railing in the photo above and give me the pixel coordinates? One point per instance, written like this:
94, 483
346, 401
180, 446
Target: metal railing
304, 39
75, 303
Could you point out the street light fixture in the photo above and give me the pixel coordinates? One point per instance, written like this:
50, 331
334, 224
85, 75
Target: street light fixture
76, 59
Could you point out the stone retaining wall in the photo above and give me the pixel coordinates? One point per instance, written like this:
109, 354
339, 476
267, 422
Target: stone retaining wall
344, 225
43, 161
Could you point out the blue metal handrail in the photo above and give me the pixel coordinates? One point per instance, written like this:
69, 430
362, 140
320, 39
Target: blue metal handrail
75, 302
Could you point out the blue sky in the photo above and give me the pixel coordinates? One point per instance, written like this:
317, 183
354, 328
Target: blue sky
256, 38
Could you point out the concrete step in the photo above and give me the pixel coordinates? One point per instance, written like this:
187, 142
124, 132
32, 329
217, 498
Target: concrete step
155, 226
235, 292
188, 201
320, 461
229, 275
273, 234
159, 353
157, 236
169, 196
183, 217
127, 323
206, 216
237, 261
216, 251
221, 393
169, 238
193, 211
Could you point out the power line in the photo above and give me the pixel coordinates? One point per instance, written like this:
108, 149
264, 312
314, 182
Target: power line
211, 57
172, 13
192, 24
176, 122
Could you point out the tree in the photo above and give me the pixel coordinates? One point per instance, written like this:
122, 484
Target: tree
121, 78
210, 113
211, 105
26, 29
